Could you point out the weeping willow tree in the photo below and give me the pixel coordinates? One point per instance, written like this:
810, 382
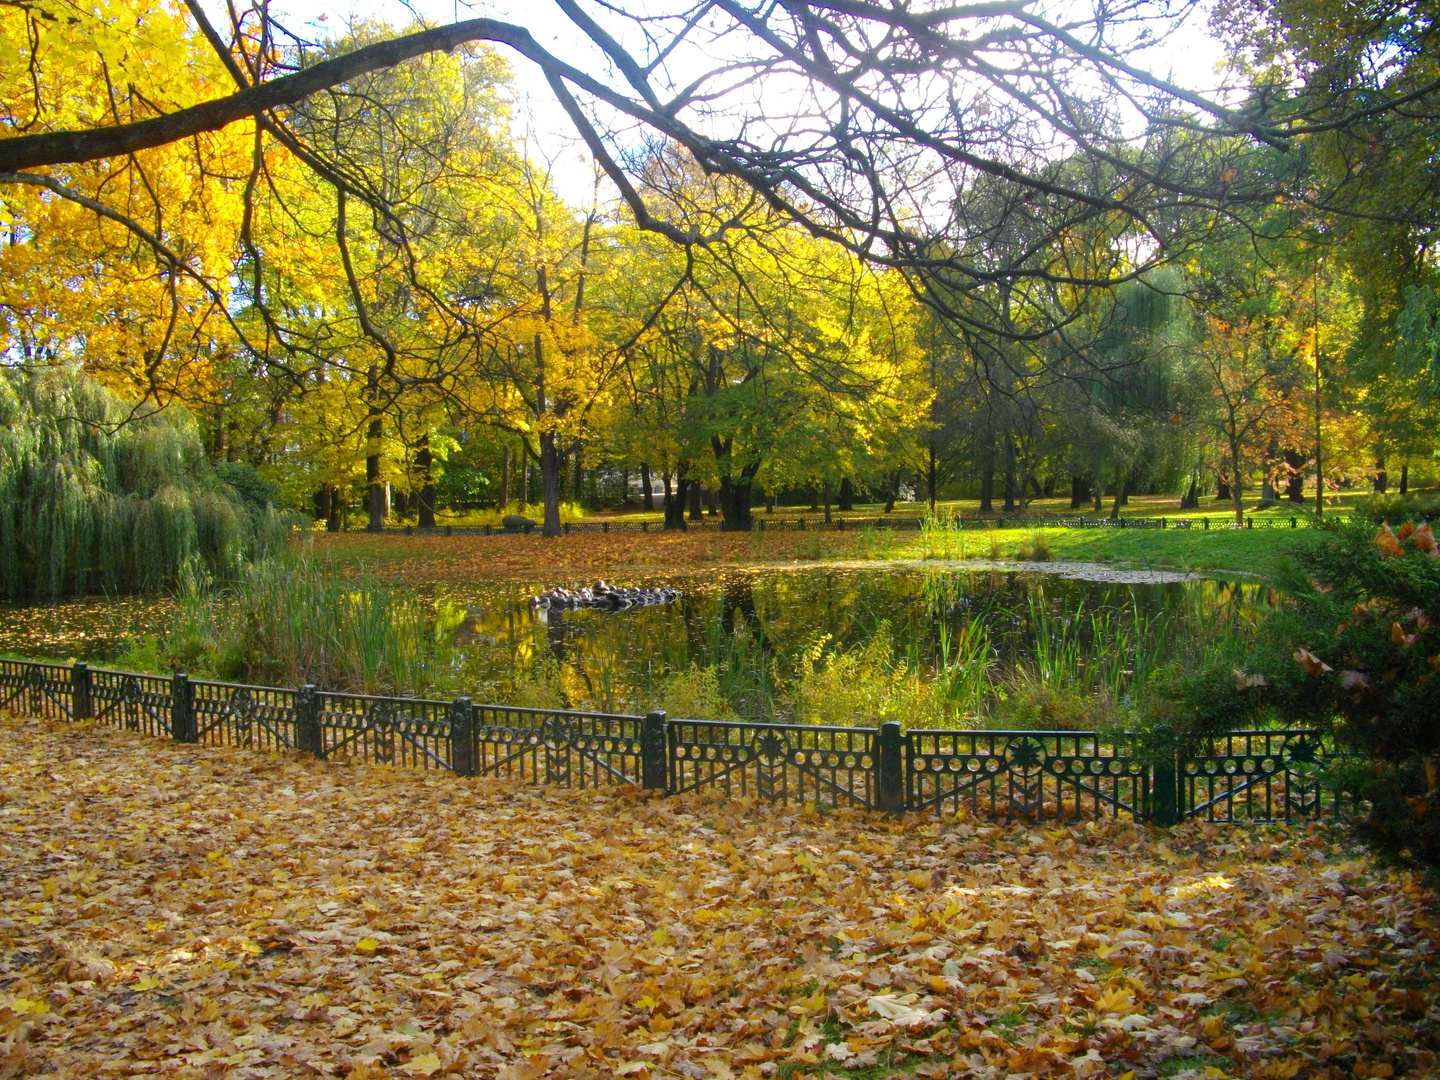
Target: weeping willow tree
97, 494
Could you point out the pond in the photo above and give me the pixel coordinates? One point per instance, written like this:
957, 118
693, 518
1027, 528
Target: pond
760, 631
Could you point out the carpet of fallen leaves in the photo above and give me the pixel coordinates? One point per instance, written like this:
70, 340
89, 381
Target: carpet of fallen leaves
199, 912
582, 555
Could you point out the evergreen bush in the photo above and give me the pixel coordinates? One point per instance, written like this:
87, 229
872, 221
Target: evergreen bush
97, 493
1352, 648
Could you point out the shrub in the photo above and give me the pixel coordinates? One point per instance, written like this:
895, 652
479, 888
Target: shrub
1352, 649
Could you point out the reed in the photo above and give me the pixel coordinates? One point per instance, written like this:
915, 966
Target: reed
296, 619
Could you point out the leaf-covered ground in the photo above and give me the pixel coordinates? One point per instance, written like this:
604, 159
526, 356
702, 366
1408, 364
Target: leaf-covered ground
185, 911
585, 556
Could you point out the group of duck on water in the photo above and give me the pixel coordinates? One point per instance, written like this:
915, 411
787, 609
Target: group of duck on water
603, 597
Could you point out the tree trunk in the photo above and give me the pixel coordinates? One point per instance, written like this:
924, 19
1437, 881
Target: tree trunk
1099, 497
426, 502
647, 497
1191, 501
735, 499
336, 521
987, 487
847, 495
697, 494
769, 502
505, 482
827, 502
524, 482
1294, 476
1122, 481
551, 464
814, 498
1382, 478
675, 504
372, 478
1079, 492
1404, 479
1237, 490
327, 494
932, 475
892, 493
1222, 489
1048, 492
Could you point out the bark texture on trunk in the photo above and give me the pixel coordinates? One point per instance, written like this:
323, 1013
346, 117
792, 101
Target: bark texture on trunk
647, 496
551, 464
675, 504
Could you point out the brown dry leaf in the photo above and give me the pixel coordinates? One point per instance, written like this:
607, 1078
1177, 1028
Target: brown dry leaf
365, 922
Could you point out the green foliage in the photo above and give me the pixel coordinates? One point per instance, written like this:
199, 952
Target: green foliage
95, 494
294, 619
1353, 650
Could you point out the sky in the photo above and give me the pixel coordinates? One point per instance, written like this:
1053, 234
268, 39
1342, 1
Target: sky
1191, 57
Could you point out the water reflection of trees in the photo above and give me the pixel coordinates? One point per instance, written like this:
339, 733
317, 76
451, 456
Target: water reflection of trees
770, 617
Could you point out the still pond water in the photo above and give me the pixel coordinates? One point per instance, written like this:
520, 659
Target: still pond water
1101, 619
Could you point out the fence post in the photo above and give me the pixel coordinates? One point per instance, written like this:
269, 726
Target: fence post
1165, 779
308, 736
890, 768
182, 708
487, 528
654, 752
802, 524
464, 739
80, 691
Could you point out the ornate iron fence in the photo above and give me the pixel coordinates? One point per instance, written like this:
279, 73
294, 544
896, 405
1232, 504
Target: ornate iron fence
1034, 775
1058, 775
828, 766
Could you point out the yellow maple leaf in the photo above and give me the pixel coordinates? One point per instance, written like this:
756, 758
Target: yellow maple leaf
367, 946
422, 1065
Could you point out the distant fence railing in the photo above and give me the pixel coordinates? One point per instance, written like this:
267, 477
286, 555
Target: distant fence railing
1035, 775
899, 522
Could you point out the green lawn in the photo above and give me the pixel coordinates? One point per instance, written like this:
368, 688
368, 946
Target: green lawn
1248, 551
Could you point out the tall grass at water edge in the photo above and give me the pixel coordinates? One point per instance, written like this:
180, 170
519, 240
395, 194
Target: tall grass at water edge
296, 619
299, 619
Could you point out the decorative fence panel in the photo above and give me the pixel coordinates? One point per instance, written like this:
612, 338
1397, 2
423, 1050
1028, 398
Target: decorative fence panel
1041, 775
410, 732
544, 746
797, 763
43, 690
1032, 775
135, 702
253, 717
1257, 776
